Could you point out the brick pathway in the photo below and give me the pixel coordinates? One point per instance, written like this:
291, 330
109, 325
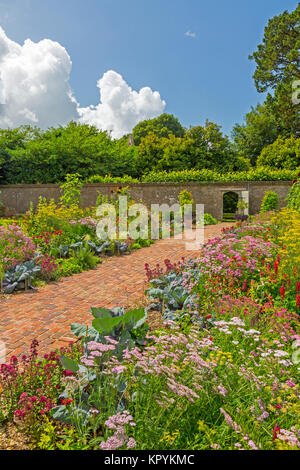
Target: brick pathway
46, 314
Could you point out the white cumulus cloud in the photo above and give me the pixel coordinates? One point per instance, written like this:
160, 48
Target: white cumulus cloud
34, 85
35, 89
120, 107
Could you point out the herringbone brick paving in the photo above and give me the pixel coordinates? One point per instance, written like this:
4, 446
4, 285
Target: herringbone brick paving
46, 314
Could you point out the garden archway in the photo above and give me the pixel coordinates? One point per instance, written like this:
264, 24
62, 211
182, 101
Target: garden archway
230, 204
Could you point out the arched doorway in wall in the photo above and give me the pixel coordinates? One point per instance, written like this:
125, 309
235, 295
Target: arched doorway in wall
230, 205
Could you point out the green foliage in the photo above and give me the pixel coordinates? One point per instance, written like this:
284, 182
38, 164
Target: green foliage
162, 126
293, 199
12, 139
161, 153
71, 190
136, 246
277, 67
285, 112
230, 202
70, 266
270, 202
34, 156
128, 329
283, 153
277, 58
19, 277
209, 148
111, 179
85, 257
200, 147
108, 324
259, 130
209, 219
202, 176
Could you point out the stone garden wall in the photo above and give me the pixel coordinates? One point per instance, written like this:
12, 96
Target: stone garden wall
17, 198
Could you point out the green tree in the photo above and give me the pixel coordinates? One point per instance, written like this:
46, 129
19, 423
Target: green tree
284, 111
200, 147
283, 153
210, 148
259, 130
270, 202
46, 157
277, 58
150, 153
278, 67
11, 139
161, 126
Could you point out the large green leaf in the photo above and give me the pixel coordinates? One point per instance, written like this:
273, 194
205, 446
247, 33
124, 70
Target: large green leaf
69, 364
137, 315
81, 331
105, 325
100, 312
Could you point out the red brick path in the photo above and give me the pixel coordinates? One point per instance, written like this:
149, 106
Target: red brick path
46, 314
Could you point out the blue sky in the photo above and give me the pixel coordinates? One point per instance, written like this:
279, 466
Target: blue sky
206, 76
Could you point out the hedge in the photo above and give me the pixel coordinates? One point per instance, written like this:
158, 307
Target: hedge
202, 176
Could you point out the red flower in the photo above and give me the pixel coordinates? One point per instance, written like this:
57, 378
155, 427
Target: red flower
67, 373
275, 431
208, 316
67, 401
276, 267
298, 301
282, 292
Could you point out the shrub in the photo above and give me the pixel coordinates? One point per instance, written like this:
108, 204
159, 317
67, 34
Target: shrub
270, 202
85, 257
209, 220
136, 246
283, 153
293, 199
70, 266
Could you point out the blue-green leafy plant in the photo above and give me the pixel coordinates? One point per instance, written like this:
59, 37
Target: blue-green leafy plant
173, 298
19, 277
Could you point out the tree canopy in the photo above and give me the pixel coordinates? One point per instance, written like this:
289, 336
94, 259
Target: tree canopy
259, 130
277, 58
283, 153
161, 126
